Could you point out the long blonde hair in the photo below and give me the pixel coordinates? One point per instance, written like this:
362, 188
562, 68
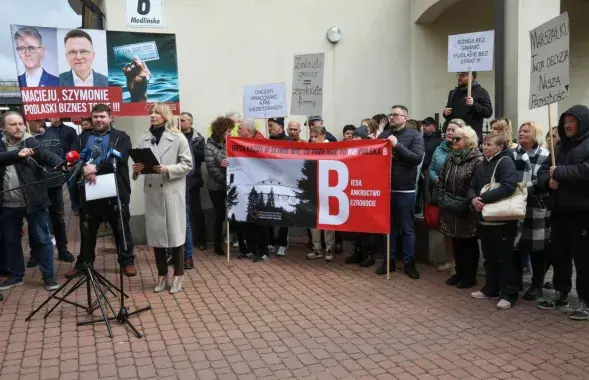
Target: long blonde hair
166, 112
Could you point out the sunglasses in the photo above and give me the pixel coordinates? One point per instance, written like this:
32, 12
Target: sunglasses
456, 139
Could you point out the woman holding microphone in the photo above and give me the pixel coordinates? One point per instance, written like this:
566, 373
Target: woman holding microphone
165, 193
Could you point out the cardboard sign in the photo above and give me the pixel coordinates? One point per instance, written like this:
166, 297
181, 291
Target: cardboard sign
307, 85
265, 101
549, 72
470, 52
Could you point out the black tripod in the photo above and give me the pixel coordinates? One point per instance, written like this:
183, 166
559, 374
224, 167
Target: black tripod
94, 281
123, 315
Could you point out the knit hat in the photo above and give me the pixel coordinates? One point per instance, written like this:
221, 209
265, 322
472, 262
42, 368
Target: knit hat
361, 132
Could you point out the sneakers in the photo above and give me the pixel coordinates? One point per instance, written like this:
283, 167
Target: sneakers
557, 301
410, 270
281, 251
549, 285
243, 256
271, 249
533, 294
188, 263
503, 304
581, 313
257, 259
66, 257
50, 283
446, 267
328, 257
480, 295
10, 283
314, 254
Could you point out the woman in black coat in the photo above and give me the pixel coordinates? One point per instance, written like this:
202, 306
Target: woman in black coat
497, 237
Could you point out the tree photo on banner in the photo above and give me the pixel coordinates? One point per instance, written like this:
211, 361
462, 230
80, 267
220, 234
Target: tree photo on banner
145, 66
335, 186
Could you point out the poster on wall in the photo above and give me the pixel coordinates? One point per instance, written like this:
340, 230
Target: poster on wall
549, 72
471, 52
144, 13
335, 186
65, 72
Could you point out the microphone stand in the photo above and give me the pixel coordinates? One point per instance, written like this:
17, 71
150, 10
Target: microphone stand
123, 315
94, 281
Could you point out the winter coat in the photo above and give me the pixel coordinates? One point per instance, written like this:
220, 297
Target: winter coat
50, 139
29, 171
215, 152
456, 178
431, 143
572, 168
281, 136
475, 114
533, 232
438, 160
165, 194
406, 157
505, 176
197, 147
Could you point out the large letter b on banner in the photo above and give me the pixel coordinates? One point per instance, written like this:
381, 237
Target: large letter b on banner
325, 192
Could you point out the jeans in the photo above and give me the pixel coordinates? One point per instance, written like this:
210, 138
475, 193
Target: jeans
218, 200
188, 242
402, 223
57, 222
199, 228
38, 221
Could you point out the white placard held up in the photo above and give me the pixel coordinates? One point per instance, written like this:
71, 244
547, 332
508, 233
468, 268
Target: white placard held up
105, 187
307, 85
471, 52
549, 43
144, 13
262, 101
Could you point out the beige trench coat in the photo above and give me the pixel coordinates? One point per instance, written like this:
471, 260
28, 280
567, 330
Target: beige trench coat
165, 195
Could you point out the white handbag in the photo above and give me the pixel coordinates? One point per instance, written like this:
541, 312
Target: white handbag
510, 208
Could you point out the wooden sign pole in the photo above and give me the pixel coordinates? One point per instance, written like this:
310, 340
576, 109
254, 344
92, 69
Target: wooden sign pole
469, 84
552, 155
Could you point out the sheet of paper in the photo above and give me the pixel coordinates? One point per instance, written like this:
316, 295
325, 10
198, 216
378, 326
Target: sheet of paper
105, 187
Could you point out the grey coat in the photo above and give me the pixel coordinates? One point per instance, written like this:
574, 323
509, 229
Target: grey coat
165, 195
215, 153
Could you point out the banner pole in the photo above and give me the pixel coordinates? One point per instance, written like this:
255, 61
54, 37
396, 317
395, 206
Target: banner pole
228, 242
469, 83
307, 126
552, 155
267, 128
388, 256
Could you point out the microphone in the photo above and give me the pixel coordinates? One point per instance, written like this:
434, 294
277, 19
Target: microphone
86, 157
72, 157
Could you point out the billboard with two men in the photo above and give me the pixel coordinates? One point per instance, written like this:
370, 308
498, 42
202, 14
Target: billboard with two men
64, 72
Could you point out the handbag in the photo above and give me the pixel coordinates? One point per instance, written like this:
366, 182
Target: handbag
431, 215
510, 208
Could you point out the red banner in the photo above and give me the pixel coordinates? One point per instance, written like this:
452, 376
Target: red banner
343, 186
49, 102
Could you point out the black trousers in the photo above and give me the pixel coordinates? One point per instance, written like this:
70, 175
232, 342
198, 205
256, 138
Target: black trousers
241, 230
91, 216
570, 242
161, 260
218, 200
466, 255
540, 264
280, 240
500, 272
199, 225
339, 239
257, 239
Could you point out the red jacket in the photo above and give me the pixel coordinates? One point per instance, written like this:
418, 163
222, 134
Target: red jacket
258, 135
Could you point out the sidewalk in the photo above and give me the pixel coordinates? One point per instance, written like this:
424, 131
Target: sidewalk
287, 318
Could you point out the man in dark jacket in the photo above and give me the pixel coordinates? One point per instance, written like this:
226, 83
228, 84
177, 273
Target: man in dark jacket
317, 121
55, 180
569, 202
105, 138
196, 225
474, 109
67, 136
407, 155
23, 194
431, 140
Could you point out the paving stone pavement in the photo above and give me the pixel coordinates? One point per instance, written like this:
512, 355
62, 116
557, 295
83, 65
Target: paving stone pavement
289, 318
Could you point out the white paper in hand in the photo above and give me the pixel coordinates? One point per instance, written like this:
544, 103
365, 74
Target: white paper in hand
105, 187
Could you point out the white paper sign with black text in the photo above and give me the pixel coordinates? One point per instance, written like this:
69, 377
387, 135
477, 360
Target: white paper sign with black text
471, 52
265, 101
549, 44
307, 85
144, 13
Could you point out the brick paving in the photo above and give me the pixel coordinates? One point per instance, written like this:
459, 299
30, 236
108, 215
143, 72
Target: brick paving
284, 319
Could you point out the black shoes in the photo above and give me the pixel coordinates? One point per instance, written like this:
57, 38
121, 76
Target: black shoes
10, 283
557, 301
368, 261
355, 258
533, 294
66, 257
410, 270
382, 269
32, 262
452, 281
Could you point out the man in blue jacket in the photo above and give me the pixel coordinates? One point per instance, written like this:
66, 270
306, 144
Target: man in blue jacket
407, 154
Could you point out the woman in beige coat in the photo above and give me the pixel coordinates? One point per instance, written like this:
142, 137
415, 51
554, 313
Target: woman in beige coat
165, 193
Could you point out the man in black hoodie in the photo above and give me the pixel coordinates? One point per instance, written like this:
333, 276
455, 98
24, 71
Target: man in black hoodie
407, 155
569, 185
474, 109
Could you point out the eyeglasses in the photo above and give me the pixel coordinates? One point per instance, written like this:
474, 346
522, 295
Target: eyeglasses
30, 49
74, 53
460, 75
456, 139
397, 115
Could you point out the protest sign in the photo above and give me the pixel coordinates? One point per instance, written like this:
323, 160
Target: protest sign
336, 186
549, 73
265, 101
470, 52
307, 85
144, 13
64, 72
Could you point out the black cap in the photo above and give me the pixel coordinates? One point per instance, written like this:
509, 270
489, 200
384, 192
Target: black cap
277, 120
429, 120
361, 132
